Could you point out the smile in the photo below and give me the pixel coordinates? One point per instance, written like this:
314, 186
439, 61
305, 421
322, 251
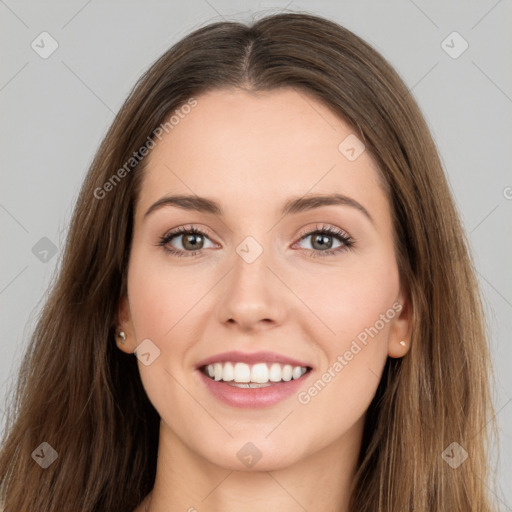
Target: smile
257, 375
253, 386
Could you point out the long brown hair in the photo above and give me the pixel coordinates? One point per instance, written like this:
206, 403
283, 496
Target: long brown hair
80, 394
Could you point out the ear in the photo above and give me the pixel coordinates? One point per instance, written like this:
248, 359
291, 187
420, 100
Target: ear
401, 327
124, 323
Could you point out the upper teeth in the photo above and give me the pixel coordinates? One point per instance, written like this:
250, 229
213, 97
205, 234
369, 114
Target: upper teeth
259, 373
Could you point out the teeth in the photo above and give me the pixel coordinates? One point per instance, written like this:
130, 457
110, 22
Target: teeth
296, 372
228, 372
259, 373
217, 371
242, 373
275, 373
287, 372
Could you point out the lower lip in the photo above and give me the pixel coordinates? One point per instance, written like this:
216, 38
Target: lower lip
253, 397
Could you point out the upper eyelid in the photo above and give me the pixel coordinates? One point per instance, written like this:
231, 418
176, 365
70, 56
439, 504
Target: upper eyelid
335, 231
185, 230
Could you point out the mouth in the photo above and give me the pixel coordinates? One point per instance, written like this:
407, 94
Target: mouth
253, 379
253, 376
255, 386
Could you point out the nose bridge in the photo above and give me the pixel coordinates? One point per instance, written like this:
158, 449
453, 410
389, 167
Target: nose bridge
252, 292
250, 270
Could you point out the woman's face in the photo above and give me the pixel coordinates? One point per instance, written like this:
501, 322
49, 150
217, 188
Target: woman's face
259, 277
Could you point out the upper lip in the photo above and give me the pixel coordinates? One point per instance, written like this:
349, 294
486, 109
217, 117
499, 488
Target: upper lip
251, 358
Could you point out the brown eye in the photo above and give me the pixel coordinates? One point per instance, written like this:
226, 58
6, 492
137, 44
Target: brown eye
192, 241
184, 241
323, 238
321, 241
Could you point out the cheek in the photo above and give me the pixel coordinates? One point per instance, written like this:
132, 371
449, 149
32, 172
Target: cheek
355, 300
358, 307
159, 296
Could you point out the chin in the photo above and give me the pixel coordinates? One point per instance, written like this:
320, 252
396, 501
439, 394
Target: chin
247, 456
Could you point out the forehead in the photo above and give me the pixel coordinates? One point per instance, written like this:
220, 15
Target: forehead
258, 149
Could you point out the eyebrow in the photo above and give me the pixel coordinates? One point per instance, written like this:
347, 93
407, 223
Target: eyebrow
292, 206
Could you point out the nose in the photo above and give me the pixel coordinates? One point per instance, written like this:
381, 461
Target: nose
252, 297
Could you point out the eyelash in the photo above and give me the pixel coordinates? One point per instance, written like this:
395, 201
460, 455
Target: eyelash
346, 240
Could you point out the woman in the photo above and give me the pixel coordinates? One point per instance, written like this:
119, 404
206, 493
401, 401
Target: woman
266, 299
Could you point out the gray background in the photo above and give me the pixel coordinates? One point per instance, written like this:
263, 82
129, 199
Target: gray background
55, 111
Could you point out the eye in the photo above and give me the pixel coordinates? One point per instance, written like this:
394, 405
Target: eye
322, 241
192, 241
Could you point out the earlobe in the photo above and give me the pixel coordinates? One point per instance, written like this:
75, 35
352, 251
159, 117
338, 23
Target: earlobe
397, 350
400, 334
122, 337
122, 341
123, 331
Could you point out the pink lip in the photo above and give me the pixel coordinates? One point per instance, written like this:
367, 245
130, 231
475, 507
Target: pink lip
251, 358
253, 397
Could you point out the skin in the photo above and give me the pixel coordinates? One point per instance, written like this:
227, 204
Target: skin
250, 153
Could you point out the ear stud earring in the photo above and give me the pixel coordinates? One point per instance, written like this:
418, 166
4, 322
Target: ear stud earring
403, 343
122, 336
